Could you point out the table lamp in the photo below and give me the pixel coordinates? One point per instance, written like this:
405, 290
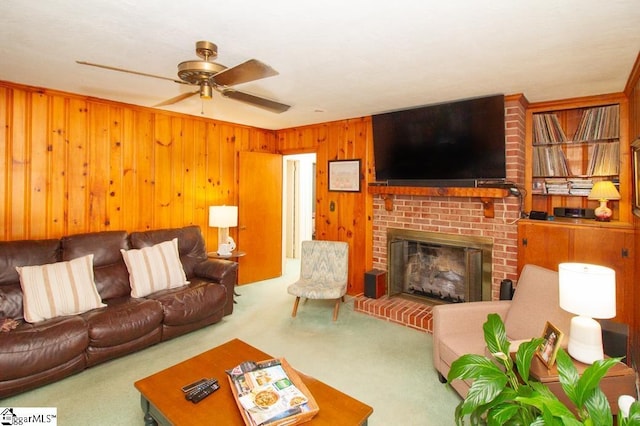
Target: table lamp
589, 291
224, 217
603, 191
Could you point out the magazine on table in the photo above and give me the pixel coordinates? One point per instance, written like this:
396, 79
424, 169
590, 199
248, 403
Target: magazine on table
266, 392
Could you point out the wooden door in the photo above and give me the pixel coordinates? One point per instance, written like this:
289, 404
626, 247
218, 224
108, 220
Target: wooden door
260, 216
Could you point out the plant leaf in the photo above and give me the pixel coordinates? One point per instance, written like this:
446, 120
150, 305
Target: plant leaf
495, 335
598, 408
591, 377
482, 392
502, 413
634, 415
524, 356
472, 366
568, 375
550, 405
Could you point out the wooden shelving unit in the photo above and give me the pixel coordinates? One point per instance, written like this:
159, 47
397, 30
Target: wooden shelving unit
611, 244
486, 195
569, 136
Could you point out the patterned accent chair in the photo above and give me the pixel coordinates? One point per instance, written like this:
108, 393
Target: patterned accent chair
324, 267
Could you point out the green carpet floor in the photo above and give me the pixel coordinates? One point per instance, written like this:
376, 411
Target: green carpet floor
385, 365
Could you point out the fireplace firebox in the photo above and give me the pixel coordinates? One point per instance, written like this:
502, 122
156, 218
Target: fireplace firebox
438, 268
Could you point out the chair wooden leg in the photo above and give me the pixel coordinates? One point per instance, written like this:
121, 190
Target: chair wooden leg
295, 307
337, 308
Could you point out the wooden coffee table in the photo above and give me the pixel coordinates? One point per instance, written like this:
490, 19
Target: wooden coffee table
163, 401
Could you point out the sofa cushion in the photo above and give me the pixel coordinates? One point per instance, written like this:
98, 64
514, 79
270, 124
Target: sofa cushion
535, 302
123, 320
190, 304
110, 273
21, 253
58, 289
34, 348
190, 244
154, 268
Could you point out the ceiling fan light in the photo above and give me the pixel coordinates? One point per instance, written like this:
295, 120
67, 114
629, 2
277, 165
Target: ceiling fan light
206, 91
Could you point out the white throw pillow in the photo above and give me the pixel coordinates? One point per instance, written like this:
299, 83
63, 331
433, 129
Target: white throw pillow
154, 268
58, 289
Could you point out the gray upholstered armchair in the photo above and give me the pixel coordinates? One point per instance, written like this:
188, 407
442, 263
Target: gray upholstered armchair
324, 267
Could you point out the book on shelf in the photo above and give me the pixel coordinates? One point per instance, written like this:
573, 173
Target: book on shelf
605, 159
581, 187
549, 161
557, 186
547, 129
598, 123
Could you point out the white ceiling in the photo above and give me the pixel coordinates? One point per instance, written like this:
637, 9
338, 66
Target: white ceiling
337, 59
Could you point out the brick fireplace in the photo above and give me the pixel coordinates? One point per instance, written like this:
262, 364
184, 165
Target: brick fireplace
435, 267
462, 216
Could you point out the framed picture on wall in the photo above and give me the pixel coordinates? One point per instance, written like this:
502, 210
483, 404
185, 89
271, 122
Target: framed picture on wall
344, 175
635, 157
552, 338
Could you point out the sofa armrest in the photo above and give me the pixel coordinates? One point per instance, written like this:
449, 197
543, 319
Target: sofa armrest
220, 271
459, 318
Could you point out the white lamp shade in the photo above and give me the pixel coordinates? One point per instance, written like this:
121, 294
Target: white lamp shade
223, 216
587, 290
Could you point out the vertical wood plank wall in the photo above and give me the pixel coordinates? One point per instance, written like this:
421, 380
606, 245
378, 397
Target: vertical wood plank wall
341, 216
632, 91
73, 164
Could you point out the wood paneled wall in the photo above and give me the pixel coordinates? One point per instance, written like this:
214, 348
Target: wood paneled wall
73, 164
341, 216
632, 91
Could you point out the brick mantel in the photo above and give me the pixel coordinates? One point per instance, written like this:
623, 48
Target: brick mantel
463, 215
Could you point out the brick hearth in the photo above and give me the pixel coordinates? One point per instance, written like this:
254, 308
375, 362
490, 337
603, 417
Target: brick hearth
396, 309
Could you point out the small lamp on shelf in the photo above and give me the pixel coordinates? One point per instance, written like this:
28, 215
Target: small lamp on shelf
224, 217
604, 191
589, 291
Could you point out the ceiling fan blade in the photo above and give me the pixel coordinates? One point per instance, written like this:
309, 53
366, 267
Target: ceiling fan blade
256, 101
107, 67
177, 99
244, 72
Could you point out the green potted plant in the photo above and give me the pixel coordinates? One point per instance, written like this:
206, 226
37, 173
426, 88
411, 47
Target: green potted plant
503, 394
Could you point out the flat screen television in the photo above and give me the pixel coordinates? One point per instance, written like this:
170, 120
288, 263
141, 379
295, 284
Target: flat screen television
458, 143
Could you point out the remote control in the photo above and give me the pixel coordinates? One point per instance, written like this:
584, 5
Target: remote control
191, 386
205, 393
189, 395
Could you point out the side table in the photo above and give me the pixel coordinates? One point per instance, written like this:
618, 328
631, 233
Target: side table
619, 380
234, 255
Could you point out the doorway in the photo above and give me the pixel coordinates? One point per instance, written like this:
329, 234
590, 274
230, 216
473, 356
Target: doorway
299, 206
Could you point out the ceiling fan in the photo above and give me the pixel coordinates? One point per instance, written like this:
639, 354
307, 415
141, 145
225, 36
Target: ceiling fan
209, 76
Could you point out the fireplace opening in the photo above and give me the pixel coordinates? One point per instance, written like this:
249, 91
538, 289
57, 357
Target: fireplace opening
438, 268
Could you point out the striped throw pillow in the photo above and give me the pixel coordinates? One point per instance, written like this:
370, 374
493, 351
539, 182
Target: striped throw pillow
58, 289
154, 268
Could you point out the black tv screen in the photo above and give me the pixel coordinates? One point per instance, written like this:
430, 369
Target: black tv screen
455, 143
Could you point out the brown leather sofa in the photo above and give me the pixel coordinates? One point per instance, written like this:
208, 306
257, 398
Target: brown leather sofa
34, 354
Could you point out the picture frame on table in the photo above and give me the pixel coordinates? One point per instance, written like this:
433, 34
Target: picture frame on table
549, 348
344, 175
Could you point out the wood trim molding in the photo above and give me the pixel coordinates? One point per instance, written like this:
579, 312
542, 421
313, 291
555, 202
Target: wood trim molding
487, 195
